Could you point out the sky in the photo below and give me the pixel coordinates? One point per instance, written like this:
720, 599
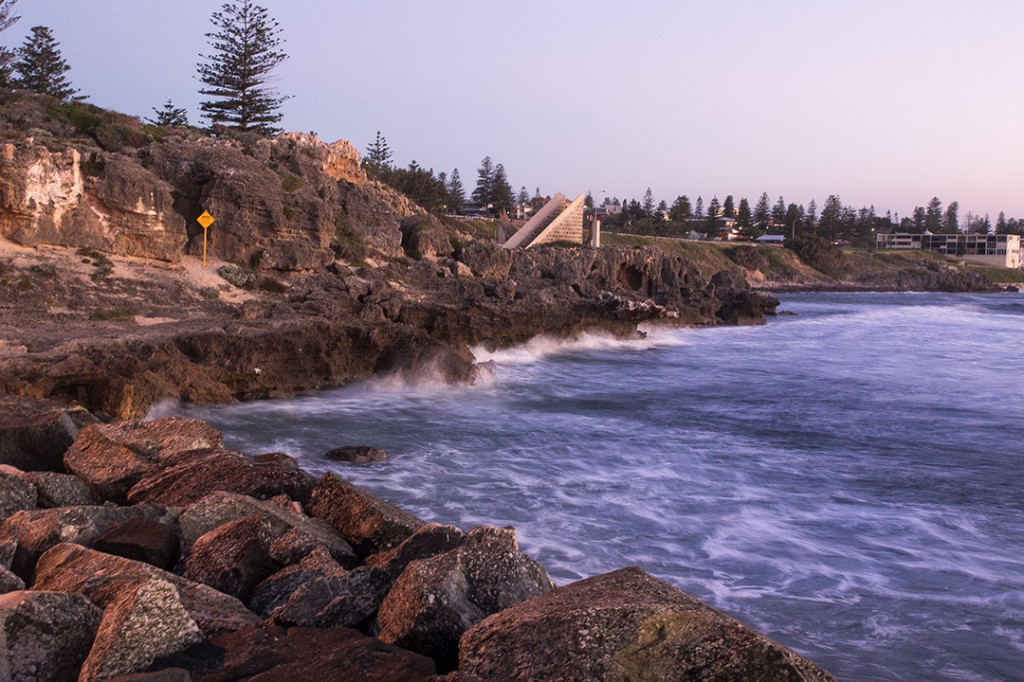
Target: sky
881, 102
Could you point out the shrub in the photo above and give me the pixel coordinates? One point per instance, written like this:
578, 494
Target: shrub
819, 253
291, 183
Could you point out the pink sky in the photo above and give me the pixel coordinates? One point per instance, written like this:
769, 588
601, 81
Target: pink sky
885, 103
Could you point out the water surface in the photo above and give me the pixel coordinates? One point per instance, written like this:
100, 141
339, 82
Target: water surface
848, 480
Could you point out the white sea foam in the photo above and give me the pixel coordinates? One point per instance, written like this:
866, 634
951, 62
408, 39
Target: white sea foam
543, 347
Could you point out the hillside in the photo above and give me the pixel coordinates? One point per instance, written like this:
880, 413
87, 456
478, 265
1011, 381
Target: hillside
316, 275
780, 269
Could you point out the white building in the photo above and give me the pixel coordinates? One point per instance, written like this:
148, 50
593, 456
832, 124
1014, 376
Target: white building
1000, 250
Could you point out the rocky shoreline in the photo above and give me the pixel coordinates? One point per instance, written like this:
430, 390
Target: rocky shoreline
148, 551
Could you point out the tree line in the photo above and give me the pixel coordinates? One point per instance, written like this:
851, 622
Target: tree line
443, 192
835, 221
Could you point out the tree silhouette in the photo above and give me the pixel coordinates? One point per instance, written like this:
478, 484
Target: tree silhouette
41, 67
245, 52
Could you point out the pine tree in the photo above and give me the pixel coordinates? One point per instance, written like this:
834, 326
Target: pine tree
169, 116
245, 52
951, 224
648, 205
6, 56
501, 191
483, 193
743, 215
762, 212
680, 211
698, 209
41, 67
456, 192
728, 207
378, 156
524, 196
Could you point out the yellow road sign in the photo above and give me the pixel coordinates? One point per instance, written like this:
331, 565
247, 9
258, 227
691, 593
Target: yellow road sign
205, 220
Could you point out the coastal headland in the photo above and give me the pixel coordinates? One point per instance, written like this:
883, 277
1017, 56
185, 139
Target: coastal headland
148, 546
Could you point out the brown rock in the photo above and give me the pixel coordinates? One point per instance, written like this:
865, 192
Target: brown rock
166, 675
10, 582
60, 490
278, 588
103, 578
45, 635
213, 470
139, 626
294, 534
111, 458
37, 531
356, 454
233, 558
141, 539
272, 654
435, 600
367, 522
34, 434
16, 494
330, 601
430, 540
624, 625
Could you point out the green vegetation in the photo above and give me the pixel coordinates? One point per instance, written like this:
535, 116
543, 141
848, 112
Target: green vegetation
245, 46
41, 67
104, 266
291, 183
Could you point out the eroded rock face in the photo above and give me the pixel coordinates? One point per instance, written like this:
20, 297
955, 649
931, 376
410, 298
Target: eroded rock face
622, 626
46, 635
117, 206
436, 600
367, 522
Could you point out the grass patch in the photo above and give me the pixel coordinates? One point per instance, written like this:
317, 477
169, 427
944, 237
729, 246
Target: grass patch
104, 266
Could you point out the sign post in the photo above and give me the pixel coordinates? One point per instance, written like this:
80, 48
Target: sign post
205, 221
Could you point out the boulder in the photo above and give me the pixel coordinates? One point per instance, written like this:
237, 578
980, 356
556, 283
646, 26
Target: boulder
624, 625
16, 494
435, 600
233, 558
103, 578
430, 540
166, 675
39, 530
141, 539
278, 588
111, 458
356, 454
367, 522
139, 626
271, 654
294, 534
45, 636
331, 601
60, 490
9, 582
34, 434
216, 469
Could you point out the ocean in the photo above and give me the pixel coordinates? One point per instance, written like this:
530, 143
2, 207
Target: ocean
847, 479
